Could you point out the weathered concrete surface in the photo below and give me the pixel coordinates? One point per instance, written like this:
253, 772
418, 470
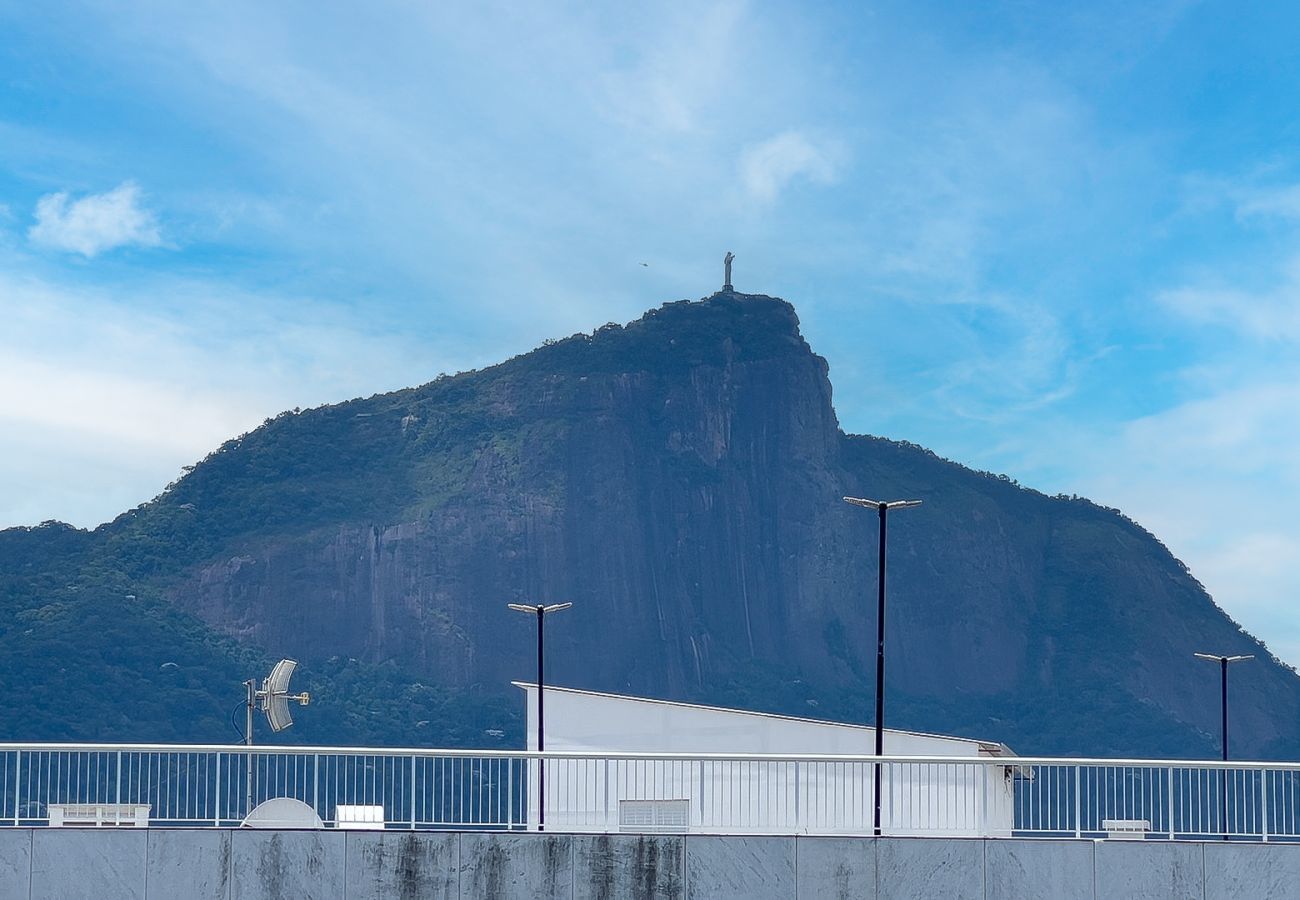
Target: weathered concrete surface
15, 862
516, 866
1250, 870
193, 863
1151, 870
629, 867
1030, 870
212, 864
88, 864
924, 868
286, 865
403, 865
835, 868
743, 868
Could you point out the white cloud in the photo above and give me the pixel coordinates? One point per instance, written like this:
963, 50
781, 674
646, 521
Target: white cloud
102, 400
96, 222
1214, 478
768, 166
1283, 202
1254, 577
680, 69
1269, 315
1029, 366
1249, 429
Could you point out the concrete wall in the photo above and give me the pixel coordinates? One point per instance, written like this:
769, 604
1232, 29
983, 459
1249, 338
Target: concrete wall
165, 864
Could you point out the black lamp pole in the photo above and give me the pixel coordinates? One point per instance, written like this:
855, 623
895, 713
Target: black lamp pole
883, 508
1223, 662
1223, 669
541, 679
541, 611
880, 655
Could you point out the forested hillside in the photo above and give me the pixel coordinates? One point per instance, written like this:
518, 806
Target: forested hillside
679, 480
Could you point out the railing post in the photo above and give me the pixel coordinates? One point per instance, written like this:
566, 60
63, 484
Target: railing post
118, 798
982, 803
510, 795
1078, 800
796, 795
1263, 804
702, 794
315, 783
18, 784
1170, 784
216, 802
412, 791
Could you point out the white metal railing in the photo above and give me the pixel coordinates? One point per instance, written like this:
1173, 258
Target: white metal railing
208, 785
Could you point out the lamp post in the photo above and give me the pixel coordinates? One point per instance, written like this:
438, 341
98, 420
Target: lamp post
540, 611
882, 507
1223, 662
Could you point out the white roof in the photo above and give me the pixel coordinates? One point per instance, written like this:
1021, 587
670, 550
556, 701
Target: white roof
991, 748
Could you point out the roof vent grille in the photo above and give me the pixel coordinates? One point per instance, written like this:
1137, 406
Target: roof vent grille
654, 816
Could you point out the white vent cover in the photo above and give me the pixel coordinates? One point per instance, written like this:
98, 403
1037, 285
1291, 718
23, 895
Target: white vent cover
1126, 829
660, 816
99, 815
359, 818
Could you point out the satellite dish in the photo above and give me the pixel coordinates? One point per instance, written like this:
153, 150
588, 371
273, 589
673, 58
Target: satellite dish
275, 695
282, 812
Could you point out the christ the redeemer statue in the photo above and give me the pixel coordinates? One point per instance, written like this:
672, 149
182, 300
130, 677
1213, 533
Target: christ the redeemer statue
726, 265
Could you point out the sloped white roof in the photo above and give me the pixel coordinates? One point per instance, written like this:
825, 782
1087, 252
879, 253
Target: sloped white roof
990, 748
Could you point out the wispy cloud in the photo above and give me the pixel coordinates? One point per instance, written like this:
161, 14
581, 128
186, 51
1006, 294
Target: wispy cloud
768, 166
670, 80
1216, 477
123, 395
95, 223
1269, 315
1274, 201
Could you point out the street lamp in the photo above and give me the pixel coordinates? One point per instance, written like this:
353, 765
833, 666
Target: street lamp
540, 611
882, 507
1223, 662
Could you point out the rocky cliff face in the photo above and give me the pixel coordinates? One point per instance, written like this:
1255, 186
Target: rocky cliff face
682, 507
679, 479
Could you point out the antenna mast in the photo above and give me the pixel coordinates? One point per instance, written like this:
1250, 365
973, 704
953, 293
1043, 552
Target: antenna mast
274, 697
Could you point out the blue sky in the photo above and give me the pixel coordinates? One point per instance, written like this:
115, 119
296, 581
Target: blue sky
1060, 241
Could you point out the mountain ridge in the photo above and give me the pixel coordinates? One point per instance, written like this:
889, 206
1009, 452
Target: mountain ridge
679, 478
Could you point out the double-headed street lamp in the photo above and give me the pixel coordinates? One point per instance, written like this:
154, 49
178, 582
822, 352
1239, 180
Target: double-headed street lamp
540, 611
1223, 662
882, 507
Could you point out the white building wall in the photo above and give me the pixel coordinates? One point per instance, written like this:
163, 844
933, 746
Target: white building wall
732, 796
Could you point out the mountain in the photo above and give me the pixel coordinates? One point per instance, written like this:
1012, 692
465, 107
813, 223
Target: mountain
679, 479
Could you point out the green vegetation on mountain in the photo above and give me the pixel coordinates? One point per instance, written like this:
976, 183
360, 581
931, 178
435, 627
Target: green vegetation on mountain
679, 479
90, 654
